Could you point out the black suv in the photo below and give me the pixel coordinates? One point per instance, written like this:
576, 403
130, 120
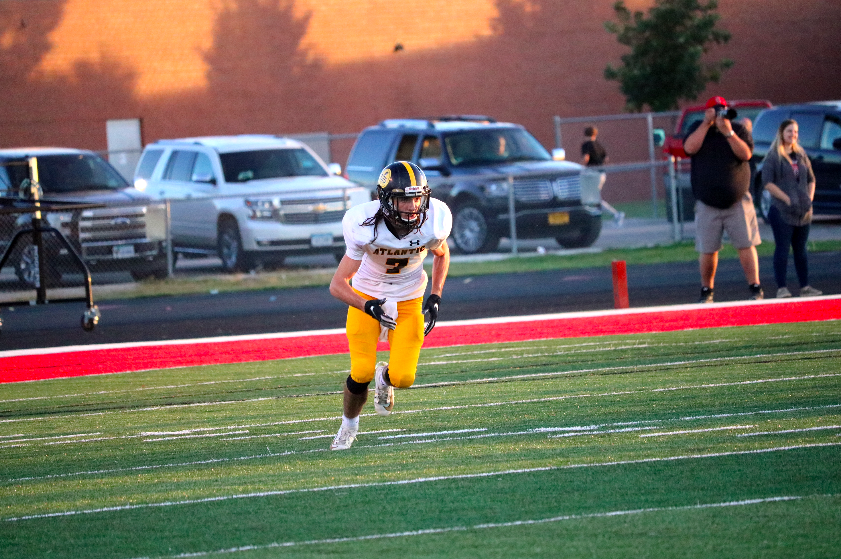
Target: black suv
820, 136
471, 164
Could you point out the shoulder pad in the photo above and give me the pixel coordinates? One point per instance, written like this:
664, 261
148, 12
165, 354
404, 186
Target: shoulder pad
352, 222
441, 217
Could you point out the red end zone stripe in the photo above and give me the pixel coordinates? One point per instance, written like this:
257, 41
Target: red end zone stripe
41, 365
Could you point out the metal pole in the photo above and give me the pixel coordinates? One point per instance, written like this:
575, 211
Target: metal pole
558, 132
677, 216
37, 237
650, 122
170, 260
512, 217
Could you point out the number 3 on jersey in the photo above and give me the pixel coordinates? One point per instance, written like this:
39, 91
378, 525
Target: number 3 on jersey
396, 264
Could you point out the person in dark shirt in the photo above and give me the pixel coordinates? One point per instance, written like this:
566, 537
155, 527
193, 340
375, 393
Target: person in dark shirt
720, 175
593, 154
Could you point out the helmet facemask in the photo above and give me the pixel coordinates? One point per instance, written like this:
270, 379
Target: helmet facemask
400, 181
404, 223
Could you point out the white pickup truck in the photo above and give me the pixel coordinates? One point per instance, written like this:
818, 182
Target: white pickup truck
250, 199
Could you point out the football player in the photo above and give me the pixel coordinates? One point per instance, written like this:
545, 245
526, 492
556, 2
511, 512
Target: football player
381, 278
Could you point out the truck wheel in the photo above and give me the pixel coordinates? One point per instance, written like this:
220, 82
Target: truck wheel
90, 319
471, 233
585, 236
26, 269
234, 257
157, 273
764, 205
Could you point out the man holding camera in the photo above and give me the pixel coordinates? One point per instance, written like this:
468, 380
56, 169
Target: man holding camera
720, 150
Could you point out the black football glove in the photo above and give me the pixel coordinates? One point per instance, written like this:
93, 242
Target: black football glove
374, 308
431, 308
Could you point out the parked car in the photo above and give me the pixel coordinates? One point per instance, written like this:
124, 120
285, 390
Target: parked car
820, 135
746, 108
471, 163
127, 234
250, 199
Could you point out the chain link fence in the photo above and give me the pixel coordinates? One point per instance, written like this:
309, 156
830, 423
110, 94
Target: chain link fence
125, 240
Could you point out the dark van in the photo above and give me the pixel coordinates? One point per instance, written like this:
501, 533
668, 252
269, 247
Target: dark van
474, 164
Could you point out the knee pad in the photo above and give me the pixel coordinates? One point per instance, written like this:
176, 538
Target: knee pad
357, 387
401, 377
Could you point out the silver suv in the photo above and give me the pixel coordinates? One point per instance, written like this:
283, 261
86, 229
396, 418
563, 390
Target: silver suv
125, 233
250, 199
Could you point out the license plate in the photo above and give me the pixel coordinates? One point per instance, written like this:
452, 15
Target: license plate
123, 251
558, 218
321, 240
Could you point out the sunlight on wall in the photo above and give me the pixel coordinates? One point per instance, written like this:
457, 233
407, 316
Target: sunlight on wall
350, 31
162, 42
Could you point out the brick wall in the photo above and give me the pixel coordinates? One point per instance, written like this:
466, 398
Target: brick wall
188, 67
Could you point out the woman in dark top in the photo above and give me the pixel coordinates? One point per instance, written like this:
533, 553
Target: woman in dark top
787, 175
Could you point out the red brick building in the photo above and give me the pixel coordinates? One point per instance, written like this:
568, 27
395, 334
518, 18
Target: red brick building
190, 67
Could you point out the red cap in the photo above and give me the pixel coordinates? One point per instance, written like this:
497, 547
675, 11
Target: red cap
715, 102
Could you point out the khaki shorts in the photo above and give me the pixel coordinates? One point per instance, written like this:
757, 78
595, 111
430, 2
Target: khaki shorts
739, 221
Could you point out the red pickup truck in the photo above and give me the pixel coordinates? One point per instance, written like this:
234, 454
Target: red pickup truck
674, 146
744, 108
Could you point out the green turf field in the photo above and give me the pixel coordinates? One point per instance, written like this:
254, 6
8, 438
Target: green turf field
706, 443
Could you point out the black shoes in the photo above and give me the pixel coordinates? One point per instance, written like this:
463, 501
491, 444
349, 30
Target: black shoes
756, 293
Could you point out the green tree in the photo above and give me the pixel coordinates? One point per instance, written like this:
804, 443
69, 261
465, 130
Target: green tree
665, 62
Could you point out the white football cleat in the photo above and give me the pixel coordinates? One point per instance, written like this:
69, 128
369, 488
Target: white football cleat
344, 438
383, 393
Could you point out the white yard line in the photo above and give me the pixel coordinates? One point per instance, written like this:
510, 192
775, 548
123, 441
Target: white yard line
803, 430
561, 349
492, 525
567, 431
263, 494
333, 434
270, 435
433, 434
497, 379
690, 431
32, 439
195, 436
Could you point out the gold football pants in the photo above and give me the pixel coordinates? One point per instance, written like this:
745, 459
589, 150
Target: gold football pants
405, 342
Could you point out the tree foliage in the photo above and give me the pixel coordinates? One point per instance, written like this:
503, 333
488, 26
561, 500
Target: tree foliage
665, 63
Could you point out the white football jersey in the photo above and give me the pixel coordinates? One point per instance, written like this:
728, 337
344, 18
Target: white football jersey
392, 268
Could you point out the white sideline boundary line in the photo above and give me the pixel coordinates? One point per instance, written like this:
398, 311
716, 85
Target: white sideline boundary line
444, 324
482, 381
561, 347
491, 525
571, 430
280, 492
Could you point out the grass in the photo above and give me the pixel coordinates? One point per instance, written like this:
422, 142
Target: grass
720, 442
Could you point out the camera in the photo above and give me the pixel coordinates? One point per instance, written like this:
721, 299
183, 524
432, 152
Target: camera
725, 112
